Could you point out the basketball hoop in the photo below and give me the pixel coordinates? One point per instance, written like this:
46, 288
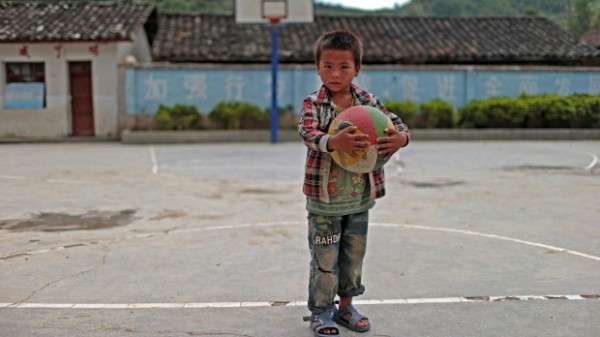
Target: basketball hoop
274, 11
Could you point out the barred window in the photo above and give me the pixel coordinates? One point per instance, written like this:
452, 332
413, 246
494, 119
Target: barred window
25, 72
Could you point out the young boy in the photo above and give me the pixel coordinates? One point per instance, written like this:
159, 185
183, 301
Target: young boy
338, 201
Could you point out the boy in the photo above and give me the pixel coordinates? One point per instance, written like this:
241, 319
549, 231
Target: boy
338, 201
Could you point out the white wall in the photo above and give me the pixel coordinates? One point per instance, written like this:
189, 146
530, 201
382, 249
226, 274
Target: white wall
54, 121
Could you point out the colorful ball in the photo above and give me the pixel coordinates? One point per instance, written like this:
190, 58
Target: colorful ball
370, 121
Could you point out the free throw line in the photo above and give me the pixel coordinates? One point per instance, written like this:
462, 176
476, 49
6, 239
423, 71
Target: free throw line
200, 305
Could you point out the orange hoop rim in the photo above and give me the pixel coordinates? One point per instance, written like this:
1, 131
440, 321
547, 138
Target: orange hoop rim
274, 19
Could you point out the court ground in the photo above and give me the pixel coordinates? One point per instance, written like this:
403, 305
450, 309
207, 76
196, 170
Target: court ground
473, 239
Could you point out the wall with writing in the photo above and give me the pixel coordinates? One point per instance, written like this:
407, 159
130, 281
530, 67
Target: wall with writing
147, 88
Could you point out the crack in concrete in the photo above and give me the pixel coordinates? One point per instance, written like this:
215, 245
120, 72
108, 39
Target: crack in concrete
102, 262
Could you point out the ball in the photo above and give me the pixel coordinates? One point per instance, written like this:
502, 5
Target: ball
370, 121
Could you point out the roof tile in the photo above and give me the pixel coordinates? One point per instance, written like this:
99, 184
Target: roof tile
217, 38
29, 21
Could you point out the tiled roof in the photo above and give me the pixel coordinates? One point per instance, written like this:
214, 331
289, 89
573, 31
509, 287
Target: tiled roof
217, 38
592, 38
42, 22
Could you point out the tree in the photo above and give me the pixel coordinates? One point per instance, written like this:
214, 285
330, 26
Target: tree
531, 11
580, 17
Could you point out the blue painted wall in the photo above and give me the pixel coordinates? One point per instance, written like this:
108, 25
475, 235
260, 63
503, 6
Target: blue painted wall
147, 88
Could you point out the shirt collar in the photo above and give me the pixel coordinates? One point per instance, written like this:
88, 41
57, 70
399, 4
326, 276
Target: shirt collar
362, 97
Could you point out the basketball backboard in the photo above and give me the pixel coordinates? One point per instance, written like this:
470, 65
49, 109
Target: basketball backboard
261, 11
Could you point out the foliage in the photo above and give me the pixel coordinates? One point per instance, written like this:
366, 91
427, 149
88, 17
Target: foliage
232, 114
580, 17
439, 114
543, 111
406, 110
548, 111
481, 7
495, 112
178, 117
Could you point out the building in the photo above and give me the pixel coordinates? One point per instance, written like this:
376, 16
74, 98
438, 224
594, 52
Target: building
202, 59
60, 65
592, 38
527, 40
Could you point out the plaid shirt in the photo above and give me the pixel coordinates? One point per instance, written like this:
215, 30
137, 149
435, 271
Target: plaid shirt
317, 114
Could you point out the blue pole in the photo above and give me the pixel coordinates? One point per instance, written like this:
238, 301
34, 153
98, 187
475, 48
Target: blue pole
274, 63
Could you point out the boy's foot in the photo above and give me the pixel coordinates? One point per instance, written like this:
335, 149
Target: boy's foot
322, 325
360, 324
348, 317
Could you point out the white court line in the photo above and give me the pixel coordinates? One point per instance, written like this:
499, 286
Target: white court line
297, 223
594, 160
58, 181
154, 161
202, 305
587, 167
497, 237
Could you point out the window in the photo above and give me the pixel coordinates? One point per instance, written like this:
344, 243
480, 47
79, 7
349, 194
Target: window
25, 86
25, 72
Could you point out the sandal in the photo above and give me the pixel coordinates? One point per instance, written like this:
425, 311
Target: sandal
338, 317
320, 322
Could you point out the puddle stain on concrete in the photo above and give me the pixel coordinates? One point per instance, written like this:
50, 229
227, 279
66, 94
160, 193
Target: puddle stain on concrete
552, 169
434, 184
57, 222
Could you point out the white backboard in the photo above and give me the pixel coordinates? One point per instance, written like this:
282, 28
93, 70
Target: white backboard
254, 11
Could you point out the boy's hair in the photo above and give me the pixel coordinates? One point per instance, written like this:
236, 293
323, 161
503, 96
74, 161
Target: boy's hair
340, 40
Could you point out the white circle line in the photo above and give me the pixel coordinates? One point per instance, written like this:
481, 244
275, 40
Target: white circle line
296, 223
594, 160
493, 236
201, 305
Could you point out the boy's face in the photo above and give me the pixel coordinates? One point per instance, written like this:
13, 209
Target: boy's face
337, 69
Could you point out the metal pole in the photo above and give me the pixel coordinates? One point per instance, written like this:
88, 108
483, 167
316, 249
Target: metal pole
274, 63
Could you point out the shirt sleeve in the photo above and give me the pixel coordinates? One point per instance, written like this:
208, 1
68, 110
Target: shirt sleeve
308, 127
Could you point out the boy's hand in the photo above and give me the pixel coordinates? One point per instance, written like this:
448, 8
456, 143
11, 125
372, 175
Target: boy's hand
391, 143
348, 142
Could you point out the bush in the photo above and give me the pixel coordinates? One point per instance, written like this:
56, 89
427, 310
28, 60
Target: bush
406, 110
496, 112
549, 111
232, 114
178, 117
587, 111
438, 114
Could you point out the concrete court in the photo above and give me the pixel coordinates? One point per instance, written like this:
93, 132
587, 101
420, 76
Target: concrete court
473, 239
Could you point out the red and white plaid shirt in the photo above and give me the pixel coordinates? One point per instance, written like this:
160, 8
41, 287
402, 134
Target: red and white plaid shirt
317, 114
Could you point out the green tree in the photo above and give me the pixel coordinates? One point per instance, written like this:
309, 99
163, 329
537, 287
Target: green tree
580, 17
531, 11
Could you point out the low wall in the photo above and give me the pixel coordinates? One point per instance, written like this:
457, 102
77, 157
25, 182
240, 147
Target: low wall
244, 136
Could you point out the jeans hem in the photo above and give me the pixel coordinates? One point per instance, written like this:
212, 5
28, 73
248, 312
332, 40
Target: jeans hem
352, 293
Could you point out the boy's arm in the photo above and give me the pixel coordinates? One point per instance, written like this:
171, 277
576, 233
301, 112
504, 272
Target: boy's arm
308, 128
318, 140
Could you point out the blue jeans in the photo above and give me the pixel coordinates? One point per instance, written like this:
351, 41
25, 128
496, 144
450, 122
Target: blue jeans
337, 248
